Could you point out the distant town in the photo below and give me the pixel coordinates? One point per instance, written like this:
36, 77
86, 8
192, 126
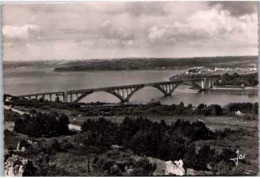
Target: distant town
252, 68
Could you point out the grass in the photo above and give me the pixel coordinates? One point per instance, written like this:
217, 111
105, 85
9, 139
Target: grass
11, 139
212, 122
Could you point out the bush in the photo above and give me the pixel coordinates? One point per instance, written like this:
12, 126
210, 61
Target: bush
118, 163
147, 138
38, 125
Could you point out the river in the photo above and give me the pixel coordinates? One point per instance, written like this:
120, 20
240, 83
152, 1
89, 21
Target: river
36, 80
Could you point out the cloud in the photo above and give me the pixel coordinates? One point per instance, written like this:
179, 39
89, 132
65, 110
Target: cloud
163, 34
20, 32
207, 26
137, 9
115, 29
110, 31
237, 8
112, 35
112, 43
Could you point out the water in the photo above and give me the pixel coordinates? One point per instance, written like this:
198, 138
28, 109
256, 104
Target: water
33, 80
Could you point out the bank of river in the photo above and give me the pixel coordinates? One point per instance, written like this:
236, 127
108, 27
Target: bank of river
235, 88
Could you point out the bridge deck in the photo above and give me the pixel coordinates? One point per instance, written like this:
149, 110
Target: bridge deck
172, 81
47, 93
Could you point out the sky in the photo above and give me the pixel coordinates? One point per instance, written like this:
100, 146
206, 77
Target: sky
128, 29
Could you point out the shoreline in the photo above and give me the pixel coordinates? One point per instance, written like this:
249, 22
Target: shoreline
230, 88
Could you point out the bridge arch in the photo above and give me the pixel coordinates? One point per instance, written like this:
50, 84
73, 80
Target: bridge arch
125, 93
81, 96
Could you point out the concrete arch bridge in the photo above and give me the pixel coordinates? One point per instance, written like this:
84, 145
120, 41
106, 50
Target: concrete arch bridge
124, 93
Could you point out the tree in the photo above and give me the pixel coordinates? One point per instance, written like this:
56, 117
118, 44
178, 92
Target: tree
190, 158
205, 154
38, 124
214, 110
177, 148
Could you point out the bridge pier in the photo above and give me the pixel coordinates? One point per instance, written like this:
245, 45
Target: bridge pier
71, 97
77, 95
65, 96
205, 83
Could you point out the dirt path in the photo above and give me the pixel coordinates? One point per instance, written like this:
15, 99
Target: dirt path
71, 126
15, 110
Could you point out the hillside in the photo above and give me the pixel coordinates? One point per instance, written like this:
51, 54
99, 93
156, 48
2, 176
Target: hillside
156, 63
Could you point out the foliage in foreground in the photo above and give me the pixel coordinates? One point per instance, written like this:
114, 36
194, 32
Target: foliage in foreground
147, 138
142, 136
39, 125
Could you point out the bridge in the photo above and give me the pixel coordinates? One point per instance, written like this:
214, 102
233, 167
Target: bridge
124, 93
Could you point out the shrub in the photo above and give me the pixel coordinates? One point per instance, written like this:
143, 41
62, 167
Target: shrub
38, 125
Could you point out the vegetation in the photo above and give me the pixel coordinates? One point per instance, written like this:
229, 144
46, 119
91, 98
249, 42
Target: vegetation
10, 116
155, 108
122, 163
42, 125
107, 148
236, 79
155, 63
147, 138
248, 108
133, 63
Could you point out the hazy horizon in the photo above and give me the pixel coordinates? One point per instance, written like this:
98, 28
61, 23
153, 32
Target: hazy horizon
112, 30
70, 60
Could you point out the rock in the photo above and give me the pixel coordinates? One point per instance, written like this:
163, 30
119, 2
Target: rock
114, 170
160, 166
174, 168
117, 147
23, 149
129, 171
191, 172
30, 142
15, 166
